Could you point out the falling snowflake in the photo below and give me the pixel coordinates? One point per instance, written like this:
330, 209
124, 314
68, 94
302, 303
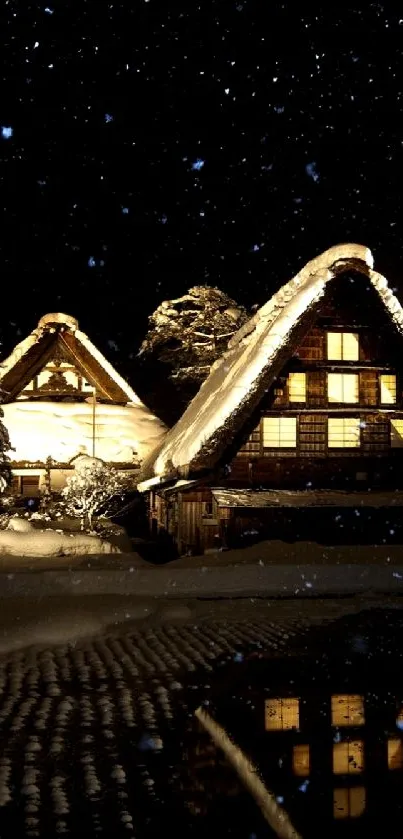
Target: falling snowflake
6, 132
311, 171
198, 164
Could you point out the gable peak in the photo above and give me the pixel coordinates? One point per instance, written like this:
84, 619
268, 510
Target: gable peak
58, 318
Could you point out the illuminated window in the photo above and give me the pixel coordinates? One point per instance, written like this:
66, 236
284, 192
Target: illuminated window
396, 433
348, 757
300, 760
348, 803
388, 389
297, 387
347, 709
342, 387
342, 346
343, 432
281, 714
395, 753
279, 432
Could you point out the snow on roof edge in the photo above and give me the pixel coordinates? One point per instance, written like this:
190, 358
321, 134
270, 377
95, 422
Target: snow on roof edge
255, 347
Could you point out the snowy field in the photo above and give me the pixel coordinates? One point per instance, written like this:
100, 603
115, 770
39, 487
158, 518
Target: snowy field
91, 729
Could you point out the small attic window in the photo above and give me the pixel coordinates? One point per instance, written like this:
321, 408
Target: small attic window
297, 387
343, 346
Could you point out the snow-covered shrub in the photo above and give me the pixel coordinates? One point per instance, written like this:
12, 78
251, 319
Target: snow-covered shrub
91, 486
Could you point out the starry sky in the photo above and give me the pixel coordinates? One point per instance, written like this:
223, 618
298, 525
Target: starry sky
146, 147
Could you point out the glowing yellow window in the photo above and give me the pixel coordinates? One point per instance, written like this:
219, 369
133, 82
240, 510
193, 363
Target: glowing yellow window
396, 433
297, 387
281, 714
348, 803
348, 757
279, 432
343, 432
347, 709
343, 346
395, 753
342, 387
300, 760
388, 389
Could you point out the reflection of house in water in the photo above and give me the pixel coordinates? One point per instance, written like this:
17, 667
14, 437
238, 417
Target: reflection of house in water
328, 746
346, 745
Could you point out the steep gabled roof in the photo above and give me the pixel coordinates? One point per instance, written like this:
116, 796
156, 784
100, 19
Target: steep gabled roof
30, 355
252, 361
125, 426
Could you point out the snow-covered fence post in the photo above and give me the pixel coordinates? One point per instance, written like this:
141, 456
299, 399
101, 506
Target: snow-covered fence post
47, 489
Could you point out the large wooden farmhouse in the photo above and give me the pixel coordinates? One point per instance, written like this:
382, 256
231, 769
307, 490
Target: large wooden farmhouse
62, 399
304, 412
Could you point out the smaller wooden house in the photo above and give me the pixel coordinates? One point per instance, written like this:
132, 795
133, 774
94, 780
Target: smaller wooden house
62, 398
299, 427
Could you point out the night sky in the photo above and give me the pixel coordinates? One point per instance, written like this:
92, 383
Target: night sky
147, 147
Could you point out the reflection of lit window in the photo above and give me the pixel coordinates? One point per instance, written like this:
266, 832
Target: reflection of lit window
348, 803
388, 389
343, 432
342, 346
348, 757
395, 753
279, 432
281, 714
342, 387
396, 433
300, 760
347, 709
297, 387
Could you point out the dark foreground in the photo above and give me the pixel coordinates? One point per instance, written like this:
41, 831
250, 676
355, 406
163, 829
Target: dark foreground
99, 738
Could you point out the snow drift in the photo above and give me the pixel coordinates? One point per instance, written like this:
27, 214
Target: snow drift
22, 539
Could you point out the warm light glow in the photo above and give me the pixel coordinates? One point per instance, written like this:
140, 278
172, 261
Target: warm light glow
301, 760
297, 387
342, 387
348, 802
396, 433
281, 714
395, 753
347, 709
388, 389
343, 346
343, 432
279, 432
63, 430
348, 757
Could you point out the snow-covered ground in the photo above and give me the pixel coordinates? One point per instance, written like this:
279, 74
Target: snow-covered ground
52, 621
22, 539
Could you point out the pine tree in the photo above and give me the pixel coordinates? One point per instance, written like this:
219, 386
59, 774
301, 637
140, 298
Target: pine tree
188, 334
5, 446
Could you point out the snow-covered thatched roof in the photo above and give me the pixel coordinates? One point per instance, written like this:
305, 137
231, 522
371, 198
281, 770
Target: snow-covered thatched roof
252, 361
126, 429
56, 322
